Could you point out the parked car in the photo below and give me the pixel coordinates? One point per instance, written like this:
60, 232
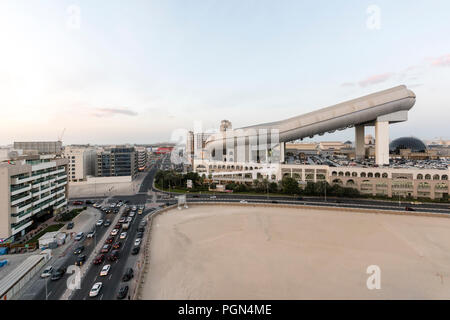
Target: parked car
77, 203
132, 214
91, 234
118, 226
140, 235
107, 223
95, 289
105, 270
409, 209
79, 236
78, 250
80, 260
70, 225
123, 235
122, 220
99, 223
141, 229
243, 201
123, 291
135, 250
99, 259
129, 219
137, 242
106, 248
128, 275
117, 245
47, 272
114, 232
89, 202
58, 274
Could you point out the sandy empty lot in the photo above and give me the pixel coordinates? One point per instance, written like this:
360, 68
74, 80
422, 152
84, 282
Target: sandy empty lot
248, 252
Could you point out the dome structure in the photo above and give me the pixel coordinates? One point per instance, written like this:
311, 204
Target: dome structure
416, 145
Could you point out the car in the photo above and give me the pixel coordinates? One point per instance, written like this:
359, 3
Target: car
409, 209
135, 250
47, 272
78, 250
58, 274
123, 235
137, 242
114, 232
117, 245
107, 223
118, 226
141, 229
134, 208
140, 211
80, 260
122, 220
91, 234
243, 201
274, 201
79, 236
129, 219
99, 223
89, 202
128, 275
213, 197
195, 196
131, 214
70, 225
97, 205
123, 291
77, 203
106, 248
109, 240
114, 255
140, 235
105, 270
95, 289
99, 259
112, 205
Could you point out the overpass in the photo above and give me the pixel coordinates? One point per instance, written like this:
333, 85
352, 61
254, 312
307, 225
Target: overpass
379, 109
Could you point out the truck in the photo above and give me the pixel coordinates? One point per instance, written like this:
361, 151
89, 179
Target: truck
125, 226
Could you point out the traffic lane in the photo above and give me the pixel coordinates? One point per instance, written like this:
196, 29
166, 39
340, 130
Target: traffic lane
116, 280
58, 287
391, 206
110, 282
319, 199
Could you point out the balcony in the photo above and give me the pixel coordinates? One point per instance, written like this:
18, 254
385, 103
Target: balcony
20, 227
19, 189
17, 209
23, 198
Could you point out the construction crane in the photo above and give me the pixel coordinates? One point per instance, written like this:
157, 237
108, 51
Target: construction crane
61, 135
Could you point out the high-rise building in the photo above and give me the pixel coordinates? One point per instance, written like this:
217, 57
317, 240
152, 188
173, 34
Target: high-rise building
116, 162
142, 157
42, 147
82, 161
32, 190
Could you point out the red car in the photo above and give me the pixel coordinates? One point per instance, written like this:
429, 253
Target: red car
117, 245
118, 226
110, 240
77, 203
99, 259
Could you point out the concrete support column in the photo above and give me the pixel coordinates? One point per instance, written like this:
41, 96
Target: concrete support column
360, 151
282, 149
382, 142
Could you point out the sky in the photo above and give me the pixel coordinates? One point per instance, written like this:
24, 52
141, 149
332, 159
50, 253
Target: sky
114, 71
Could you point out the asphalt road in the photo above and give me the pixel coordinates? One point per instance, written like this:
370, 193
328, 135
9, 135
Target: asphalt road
55, 289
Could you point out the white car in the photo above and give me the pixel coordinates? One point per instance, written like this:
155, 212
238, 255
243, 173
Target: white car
105, 270
95, 289
114, 232
243, 201
47, 272
132, 214
213, 197
129, 219
137, 242
99, 223
123, 235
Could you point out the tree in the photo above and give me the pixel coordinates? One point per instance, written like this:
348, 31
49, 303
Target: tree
290, 186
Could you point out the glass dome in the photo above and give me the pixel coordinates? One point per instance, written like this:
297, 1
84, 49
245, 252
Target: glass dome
416, 145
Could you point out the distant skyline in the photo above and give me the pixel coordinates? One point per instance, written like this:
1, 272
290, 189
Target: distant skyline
114, 72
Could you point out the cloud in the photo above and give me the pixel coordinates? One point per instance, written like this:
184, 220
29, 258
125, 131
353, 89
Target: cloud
442, 61
109, 112
377, 78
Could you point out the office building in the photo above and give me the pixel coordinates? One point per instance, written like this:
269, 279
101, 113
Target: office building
82, 161
117, 162
41, 147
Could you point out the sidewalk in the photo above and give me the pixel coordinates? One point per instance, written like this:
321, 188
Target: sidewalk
83, 223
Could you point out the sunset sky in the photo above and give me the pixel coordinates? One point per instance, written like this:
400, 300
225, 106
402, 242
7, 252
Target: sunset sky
133, 71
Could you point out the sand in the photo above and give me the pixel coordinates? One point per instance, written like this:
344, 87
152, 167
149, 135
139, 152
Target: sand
248, 252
